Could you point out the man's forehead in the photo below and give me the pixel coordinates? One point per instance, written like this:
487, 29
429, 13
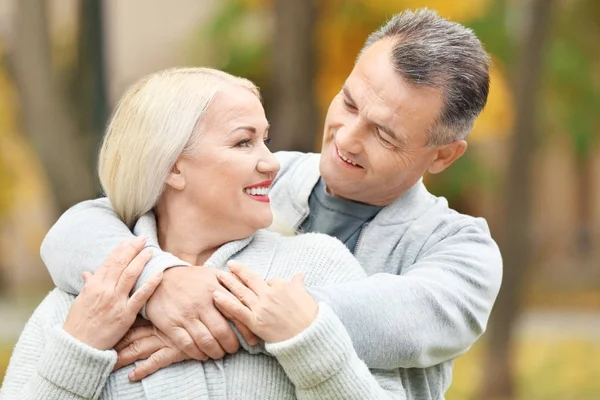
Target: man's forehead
386, 99
375, 98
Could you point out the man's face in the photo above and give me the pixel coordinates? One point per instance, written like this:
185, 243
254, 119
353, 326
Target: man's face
375, 138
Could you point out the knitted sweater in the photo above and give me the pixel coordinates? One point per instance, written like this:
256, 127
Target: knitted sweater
319, 363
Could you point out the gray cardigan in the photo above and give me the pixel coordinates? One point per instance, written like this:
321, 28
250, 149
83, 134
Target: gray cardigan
319, 363
434, 274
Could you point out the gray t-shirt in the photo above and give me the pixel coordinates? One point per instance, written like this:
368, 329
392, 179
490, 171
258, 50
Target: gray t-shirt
336, 216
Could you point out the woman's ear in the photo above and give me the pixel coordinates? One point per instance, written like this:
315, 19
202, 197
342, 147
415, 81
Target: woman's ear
175, 178
446, 155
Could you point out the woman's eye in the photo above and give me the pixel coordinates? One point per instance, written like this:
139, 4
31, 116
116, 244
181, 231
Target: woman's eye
243, 143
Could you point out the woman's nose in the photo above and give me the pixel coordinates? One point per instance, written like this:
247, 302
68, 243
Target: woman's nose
268, 163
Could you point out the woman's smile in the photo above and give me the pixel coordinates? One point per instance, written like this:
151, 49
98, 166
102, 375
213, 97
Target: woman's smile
259, 191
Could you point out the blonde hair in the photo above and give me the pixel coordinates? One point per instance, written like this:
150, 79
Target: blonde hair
156, 121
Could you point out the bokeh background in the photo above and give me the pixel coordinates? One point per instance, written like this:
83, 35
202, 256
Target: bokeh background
532, 169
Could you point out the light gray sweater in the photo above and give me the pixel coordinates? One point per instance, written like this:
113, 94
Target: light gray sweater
319, 363
434, 274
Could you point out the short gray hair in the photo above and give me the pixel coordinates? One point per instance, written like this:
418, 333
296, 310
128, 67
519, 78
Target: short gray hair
432, 51
156, 121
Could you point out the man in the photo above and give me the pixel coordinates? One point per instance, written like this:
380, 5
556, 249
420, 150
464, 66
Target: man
416, 89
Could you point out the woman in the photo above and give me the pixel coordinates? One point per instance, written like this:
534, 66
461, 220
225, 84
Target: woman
189, 144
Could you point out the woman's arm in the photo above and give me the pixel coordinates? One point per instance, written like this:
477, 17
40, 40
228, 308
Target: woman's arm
322, 364
72, 360
48, 363
309, 341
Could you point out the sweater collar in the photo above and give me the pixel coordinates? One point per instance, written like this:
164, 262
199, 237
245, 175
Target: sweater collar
224, 253
407, 207
146, 226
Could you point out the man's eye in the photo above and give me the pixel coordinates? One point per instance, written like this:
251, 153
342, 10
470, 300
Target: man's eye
267, 141
349, 106
384, 141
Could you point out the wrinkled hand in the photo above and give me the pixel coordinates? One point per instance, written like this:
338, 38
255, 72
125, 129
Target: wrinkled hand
103, 312
275, 311
182, 308
145, 342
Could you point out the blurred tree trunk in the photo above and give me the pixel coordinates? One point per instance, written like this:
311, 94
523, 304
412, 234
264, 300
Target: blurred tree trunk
584, 210
498, 382
46, 117
294, 117
90, 81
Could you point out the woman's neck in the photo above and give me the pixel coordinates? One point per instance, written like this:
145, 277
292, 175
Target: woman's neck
186, 235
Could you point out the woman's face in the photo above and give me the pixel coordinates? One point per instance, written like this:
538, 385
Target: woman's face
228, 175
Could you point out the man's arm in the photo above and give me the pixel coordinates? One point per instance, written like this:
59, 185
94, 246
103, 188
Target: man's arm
431, 313
84, 236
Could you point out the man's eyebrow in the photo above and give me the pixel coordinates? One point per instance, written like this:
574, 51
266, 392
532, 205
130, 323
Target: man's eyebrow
347, 94
393, 134
386, 129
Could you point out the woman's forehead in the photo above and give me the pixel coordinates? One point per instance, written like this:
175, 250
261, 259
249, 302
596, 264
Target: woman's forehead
235, 103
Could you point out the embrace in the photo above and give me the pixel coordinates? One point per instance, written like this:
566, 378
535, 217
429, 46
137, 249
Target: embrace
172, 287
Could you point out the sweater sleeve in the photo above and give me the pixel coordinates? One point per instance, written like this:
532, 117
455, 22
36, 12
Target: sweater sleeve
47, 363
85, 235
322, 364
434, 311
321, 361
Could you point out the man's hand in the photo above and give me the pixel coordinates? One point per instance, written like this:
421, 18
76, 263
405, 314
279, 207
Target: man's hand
182, 308
145, 342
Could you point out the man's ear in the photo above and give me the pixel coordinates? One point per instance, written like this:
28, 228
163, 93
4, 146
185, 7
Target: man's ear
175, 179
446, 155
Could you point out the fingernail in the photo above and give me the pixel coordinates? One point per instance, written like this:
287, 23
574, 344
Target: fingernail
131, 375
140, 239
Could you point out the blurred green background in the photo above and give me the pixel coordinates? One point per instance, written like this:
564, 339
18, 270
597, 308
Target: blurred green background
532, 168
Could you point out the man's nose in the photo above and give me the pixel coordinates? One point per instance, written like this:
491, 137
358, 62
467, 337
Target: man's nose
350, 138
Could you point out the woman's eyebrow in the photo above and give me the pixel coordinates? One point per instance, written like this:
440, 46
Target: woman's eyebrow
249, 128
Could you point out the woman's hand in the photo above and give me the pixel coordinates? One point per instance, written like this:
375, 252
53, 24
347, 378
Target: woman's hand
104, 312
275, 311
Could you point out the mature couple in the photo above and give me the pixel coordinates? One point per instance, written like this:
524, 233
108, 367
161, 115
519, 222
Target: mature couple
376, 309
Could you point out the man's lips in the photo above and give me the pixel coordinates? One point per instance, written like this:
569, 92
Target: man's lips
345, 159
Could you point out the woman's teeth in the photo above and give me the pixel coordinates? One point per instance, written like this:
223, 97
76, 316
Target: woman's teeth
345, 158
258, 191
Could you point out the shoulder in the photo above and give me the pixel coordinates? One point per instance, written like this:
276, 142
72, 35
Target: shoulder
322, 258
442, 230
55, 306
100, 203
317, 242
447, 223
51, 311
291, 160
305, 245
432, 215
